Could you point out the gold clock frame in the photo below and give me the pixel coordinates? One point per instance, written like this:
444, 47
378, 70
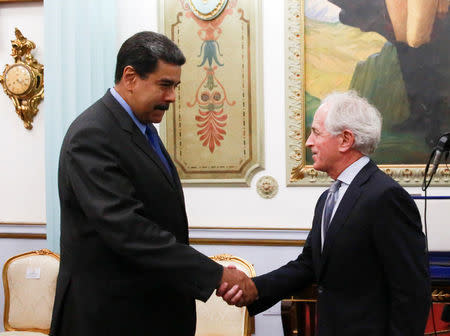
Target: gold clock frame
26, 103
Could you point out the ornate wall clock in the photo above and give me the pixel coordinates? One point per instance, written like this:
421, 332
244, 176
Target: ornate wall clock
23, 81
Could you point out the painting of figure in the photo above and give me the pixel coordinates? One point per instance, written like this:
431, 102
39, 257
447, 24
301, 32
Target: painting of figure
393, 52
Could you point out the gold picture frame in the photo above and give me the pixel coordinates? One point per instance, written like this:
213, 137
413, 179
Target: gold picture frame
7, 1
214, 131
298, 172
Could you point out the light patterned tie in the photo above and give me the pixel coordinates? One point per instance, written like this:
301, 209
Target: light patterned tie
329, 205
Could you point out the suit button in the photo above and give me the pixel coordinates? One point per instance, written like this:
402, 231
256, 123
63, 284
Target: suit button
320, 290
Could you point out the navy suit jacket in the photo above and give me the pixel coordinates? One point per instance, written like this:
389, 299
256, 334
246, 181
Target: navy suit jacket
372, 274
126, 266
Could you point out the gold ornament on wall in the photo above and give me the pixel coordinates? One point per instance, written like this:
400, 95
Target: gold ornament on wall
23, 81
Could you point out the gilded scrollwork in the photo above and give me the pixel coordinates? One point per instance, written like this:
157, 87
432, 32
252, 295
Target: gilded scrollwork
207, 9
23, 81
222, 257
439, 295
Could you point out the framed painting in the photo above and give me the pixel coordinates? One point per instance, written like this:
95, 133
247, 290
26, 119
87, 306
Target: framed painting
214, 131
392, 52
20, 1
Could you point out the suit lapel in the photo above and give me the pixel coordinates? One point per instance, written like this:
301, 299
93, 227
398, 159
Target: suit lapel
176, 178
344, 209
127, 124
141, 141
316, 234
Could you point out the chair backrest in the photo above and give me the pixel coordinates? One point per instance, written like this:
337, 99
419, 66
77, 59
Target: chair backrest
29, 281
215, 317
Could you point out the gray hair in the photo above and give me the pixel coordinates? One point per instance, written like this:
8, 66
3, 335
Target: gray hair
346, 110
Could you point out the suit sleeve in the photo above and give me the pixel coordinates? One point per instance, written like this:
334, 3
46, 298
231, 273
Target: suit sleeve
284, 281
108, 198
400, 244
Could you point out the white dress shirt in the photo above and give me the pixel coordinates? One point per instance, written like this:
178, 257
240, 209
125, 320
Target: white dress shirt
346, 177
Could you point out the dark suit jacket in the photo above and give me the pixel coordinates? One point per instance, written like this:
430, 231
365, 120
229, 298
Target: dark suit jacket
126, 266
372, 274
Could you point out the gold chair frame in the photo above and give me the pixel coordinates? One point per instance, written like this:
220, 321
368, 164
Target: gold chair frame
6, 324
249, 326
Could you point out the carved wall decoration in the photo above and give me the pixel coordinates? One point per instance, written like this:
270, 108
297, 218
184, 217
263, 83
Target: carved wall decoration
267, 187
214, 131
23, 81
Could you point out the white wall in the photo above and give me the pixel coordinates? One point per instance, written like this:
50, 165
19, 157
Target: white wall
22, 178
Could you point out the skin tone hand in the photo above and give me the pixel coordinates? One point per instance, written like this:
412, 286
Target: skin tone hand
236, 287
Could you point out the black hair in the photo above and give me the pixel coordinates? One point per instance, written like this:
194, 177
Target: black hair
143, 50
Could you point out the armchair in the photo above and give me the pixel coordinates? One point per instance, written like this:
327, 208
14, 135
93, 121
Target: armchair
29, 281
215, 317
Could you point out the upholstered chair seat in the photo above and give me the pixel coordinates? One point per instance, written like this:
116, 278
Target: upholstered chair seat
29, 281
215, 317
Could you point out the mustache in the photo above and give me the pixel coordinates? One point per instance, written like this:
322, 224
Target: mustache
163, 107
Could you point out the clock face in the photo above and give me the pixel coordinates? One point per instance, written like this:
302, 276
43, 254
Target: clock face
18, 79
207, 9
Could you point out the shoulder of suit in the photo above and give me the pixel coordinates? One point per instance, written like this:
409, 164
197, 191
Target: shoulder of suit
96, 117
96, 113
380, 183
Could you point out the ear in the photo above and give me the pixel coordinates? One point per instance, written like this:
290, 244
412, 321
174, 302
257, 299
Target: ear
129, 76
347, 140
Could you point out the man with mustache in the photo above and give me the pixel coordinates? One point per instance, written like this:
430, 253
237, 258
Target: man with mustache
126, 264
366, 249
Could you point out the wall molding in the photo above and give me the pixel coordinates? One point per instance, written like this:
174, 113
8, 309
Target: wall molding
21, 223
246, 242
244, 236
19, 230
239, 228
247, 236
23, 236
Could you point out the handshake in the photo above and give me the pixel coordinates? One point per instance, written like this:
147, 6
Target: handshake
236, 288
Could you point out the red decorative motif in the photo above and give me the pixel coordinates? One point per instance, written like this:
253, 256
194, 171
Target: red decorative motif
211, 96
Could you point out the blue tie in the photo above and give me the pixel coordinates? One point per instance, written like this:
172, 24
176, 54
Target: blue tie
153, 139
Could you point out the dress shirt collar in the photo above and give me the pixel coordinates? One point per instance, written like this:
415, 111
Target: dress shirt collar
127, 108
346, 177
351, 171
